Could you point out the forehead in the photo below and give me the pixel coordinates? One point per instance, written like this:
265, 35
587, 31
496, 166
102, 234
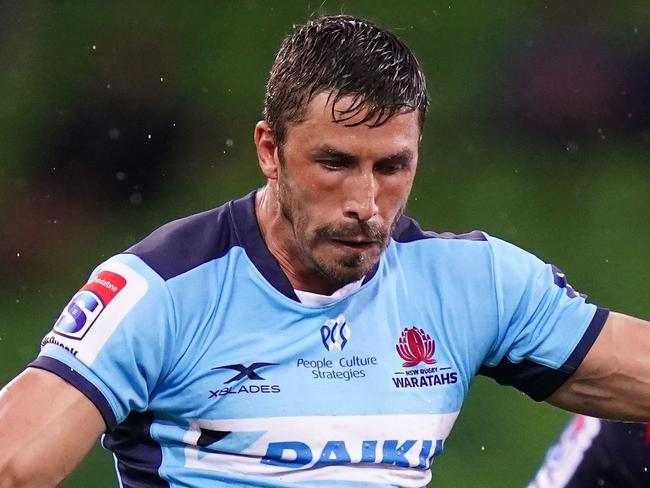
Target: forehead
319, 127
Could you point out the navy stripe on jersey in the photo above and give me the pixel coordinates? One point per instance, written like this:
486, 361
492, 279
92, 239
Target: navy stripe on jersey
138, 455
408, 230
80, 383
588, 339
250, 237
539, 381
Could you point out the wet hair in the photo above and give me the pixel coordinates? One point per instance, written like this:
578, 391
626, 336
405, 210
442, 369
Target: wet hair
343, 56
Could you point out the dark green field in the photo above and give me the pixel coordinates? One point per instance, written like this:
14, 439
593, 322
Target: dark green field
572, 188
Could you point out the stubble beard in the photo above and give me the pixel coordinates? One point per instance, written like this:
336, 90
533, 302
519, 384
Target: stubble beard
340, 271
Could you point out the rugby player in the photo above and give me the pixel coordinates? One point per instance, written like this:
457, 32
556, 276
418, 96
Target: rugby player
248, 345
592, 452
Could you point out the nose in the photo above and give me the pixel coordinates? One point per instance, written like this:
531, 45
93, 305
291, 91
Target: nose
360, 196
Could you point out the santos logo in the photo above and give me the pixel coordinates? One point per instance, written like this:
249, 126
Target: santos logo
295, 455
335, 333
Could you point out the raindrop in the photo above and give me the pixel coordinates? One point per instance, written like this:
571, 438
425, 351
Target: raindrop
17, 254
135, 198
161, 79
230, 142
148, 136
482, 448
572, 147
114, 133
94, 47
120, 176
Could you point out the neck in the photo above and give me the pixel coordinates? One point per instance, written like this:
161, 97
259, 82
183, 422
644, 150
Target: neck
278, 234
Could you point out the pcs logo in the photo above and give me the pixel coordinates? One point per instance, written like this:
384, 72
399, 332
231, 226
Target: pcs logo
84, 308
335, 333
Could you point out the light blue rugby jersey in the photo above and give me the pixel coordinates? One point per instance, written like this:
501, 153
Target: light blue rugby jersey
209, 372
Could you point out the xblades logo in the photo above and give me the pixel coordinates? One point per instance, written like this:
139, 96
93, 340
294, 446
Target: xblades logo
245, 371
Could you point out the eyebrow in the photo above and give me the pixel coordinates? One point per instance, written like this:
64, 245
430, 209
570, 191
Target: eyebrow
327, 152
402, 157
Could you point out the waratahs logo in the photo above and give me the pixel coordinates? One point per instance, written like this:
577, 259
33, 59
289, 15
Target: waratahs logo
416, 346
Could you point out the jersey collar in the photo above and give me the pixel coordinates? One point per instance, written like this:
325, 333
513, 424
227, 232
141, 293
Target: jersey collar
244, 220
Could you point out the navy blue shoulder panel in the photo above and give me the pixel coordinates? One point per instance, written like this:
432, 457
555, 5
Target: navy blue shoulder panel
184, 244
408, 230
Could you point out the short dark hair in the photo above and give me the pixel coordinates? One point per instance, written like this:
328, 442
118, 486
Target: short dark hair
343, 56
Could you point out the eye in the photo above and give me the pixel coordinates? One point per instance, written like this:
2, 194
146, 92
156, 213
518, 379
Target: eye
390, 168
332, 164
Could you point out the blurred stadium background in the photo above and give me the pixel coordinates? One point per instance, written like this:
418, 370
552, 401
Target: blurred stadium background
118, 116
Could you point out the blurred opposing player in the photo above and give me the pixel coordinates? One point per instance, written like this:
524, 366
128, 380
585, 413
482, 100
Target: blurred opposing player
594, 453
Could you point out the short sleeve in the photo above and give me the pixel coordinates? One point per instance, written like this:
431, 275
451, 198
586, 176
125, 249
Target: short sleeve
545, 328
113, 340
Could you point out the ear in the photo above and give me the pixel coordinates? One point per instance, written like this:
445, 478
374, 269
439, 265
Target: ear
267, 150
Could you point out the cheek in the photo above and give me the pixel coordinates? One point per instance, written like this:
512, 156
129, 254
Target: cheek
393, 196
319, 192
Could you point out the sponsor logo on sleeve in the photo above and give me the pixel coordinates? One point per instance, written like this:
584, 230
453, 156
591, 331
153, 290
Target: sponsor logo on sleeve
86, 306
559, 278
96, 311
415, 347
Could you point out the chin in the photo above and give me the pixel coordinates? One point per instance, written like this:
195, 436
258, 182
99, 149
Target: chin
347, 270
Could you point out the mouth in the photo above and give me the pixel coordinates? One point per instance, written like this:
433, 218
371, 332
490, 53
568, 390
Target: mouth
354, 245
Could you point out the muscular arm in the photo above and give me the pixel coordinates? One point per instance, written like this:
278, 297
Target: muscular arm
613, 381
46, 428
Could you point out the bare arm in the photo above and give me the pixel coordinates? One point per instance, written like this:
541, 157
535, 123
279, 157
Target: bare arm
613, 381
46, 428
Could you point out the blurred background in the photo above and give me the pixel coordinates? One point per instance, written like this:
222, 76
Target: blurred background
118, 116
